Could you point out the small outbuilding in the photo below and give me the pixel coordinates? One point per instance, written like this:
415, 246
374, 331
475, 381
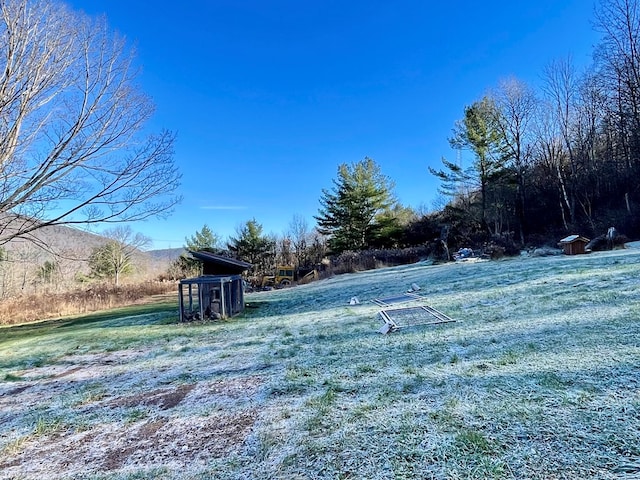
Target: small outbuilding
217, 293
573, 244
213, 264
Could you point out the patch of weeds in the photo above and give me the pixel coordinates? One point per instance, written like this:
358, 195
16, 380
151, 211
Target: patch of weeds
157, 473
288, 388
473, 442
366, 368
287, 338
285, 352
135, 415
286, 414
10, 377
337, 387
47, 426
37, 362
409, 347
94, 394
388, 393
13, 447
508, 358
322, 408
413, 384
552, 380
445, 418
532, 347
320, 423
584, 397
296, 381
362, 410
327, 399
489, 467
410, 370
81, 425
298, 374
186, 377
267, 442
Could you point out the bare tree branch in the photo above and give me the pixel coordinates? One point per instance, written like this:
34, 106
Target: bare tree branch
71, 123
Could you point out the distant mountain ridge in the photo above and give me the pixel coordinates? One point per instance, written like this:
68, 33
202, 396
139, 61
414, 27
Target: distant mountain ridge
57, 258
73, 242
165, 254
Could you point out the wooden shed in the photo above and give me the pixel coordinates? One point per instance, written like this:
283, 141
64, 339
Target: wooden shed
218, 293
213, 264
573, 244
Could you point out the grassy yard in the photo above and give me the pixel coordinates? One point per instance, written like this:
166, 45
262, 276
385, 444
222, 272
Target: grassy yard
538, 378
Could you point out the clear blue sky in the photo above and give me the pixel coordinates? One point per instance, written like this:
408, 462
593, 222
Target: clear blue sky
268, 97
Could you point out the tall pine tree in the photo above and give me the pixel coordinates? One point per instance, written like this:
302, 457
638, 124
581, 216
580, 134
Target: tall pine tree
252, 246
349, 211
186, 266
476, 132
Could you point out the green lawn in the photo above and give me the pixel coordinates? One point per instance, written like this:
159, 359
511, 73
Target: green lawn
537, 378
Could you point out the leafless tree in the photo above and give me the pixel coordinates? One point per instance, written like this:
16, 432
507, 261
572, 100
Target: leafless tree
516, 105
561, 89
284, 254
117, 256
72, 149
619, 57
551, 156
300, 235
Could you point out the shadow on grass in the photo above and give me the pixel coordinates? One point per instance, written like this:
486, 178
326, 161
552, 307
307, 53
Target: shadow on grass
15, 332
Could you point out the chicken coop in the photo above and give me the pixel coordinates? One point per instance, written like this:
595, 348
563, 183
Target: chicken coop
210, 297
574, 244
217, 294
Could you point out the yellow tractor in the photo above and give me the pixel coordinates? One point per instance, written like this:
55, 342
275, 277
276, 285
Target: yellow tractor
284, 277
287, 274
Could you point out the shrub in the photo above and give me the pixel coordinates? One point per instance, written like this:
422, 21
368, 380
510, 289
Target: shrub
93, 297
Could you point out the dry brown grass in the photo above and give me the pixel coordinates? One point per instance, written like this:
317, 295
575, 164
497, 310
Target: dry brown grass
93, 298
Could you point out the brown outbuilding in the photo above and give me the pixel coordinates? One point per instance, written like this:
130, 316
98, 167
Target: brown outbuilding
573, 244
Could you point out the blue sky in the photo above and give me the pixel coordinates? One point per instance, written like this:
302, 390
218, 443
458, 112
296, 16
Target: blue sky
268, 97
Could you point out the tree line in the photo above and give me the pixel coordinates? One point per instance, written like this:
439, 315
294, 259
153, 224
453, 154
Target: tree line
540, 163
564, 158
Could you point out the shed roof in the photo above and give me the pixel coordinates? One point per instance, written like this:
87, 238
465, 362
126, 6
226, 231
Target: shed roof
225, 264
574, 238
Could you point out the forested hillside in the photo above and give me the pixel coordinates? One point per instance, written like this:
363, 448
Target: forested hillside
560, 158
534, 163
56, 258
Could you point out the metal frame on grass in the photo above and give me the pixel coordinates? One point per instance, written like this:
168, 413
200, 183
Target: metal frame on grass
396, 318
403, 297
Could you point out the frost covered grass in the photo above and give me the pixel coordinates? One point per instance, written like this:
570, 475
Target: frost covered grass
538, 378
